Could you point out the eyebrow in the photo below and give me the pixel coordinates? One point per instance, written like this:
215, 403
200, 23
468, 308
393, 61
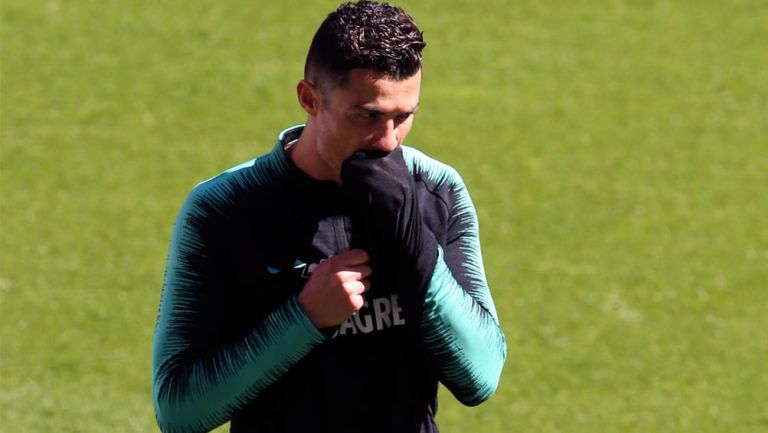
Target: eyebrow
380, 112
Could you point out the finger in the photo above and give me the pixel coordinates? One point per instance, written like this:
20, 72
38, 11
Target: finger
365, 271
355, 288
358, 272
354, 274
352, 257
366, 285
357, 302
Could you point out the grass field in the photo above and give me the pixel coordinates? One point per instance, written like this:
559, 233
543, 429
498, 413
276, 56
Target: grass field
617, 152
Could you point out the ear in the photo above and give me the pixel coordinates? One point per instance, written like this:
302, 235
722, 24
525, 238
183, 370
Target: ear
309, 97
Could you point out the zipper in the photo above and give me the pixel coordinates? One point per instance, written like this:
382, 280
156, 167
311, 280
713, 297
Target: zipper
341, 225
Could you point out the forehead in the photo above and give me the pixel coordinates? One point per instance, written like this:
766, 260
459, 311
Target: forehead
372, 90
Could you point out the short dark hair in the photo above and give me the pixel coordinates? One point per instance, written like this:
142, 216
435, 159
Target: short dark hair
369, 35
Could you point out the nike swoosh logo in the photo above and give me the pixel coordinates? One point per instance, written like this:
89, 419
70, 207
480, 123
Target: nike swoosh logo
274, 271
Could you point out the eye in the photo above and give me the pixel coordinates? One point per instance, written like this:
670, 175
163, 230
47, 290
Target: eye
366, 115
403, 117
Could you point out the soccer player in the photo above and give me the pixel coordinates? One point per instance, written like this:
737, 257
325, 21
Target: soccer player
331, 284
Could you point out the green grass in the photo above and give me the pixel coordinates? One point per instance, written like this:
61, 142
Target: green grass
617, 153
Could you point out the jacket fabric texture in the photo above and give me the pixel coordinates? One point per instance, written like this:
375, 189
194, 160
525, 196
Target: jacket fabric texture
233, 344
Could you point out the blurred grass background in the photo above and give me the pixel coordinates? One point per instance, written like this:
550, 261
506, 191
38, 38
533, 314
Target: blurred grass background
617, 152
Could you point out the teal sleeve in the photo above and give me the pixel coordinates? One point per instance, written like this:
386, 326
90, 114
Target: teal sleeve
464, 338
459, 323
202, 394
197, 387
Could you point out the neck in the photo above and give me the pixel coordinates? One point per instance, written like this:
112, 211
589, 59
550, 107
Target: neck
305, 155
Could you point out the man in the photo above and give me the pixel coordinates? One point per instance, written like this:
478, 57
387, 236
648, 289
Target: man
329, 285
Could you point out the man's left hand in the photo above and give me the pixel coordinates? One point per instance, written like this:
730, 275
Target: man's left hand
386, 215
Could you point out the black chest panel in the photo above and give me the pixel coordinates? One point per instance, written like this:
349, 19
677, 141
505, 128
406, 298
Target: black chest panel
372, 374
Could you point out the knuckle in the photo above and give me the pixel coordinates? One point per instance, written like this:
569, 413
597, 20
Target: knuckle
350, 288
339, 278
353, 287
323, 267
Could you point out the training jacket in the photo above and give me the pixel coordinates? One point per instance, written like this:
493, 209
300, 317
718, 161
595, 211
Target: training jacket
232, 342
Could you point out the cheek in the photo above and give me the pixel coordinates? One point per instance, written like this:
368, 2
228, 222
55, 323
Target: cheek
404, 129
353, 137
338, 144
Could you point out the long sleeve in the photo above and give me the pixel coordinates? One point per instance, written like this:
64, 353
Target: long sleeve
459, 321
199, 379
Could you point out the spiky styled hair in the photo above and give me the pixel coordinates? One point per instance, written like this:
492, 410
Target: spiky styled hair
369, 35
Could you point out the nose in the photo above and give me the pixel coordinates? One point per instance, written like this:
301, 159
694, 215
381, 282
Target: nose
387, 137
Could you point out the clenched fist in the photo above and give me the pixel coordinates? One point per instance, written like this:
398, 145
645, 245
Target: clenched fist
335, 290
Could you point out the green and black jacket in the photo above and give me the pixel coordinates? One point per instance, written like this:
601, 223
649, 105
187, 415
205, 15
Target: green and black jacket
232, 342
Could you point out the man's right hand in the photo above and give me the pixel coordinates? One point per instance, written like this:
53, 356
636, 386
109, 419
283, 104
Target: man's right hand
335, 290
